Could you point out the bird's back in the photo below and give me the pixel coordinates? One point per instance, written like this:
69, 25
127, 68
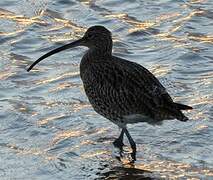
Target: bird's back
118, 88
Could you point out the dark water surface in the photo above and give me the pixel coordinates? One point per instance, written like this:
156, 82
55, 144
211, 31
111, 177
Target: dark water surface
48, 129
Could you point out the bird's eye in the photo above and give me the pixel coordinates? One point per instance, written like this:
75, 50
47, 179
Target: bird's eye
90, 35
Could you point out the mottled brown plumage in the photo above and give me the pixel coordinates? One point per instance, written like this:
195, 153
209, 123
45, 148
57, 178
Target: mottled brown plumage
121, 91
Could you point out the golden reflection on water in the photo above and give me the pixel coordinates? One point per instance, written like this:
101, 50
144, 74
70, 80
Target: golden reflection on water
62, 86
51, 104
79, 106
66, 134
68, 23
6, 74
198, 100
94, 154
177, 20
138, 25
75, 106
32, 151
77, 147
178, 23
160, 71
20, 18
207, 79
197, 1
63, 135
49, 80
61, 38
86, 2
11, 33
179, 41
77, 31
167, 17
161, 168
173, 170
201, 127
57, 24
202, 38
198, 115
38, 152
60, 136
49, 119
188, 17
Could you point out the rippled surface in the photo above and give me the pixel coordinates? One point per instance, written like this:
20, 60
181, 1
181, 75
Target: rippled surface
48, 130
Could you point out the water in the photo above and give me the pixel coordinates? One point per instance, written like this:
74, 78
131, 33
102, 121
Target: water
48, 129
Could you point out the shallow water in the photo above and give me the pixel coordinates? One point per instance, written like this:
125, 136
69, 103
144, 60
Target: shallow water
48, 129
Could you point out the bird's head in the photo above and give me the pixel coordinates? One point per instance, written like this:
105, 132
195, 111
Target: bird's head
96, 38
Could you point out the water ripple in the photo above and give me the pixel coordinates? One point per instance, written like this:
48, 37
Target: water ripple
48, 128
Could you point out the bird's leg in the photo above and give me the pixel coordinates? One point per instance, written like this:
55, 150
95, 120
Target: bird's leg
119, 141
132, 143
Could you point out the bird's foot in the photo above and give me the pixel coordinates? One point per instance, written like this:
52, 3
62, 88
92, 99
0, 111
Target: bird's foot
118, 144
133, 156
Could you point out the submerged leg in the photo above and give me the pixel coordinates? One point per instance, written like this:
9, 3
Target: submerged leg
132, 143
119, 141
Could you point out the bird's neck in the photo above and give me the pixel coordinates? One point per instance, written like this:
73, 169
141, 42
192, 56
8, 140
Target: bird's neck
93, 56
99, 52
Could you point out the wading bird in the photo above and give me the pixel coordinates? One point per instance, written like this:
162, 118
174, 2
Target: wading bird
121, 91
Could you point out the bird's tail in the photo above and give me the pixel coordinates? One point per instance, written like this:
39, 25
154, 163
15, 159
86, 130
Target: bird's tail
182, 106
175, 110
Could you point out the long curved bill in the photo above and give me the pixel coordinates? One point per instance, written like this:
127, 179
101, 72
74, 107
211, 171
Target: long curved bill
62, 48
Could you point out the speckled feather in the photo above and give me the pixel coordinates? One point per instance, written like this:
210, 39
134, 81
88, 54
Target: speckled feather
117, 88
